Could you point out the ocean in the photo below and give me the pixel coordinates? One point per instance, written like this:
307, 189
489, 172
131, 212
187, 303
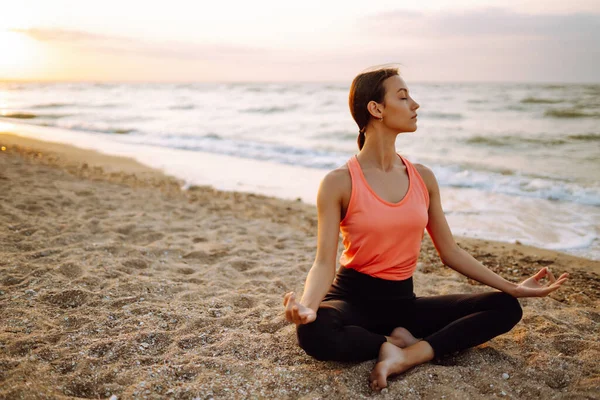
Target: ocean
514, 161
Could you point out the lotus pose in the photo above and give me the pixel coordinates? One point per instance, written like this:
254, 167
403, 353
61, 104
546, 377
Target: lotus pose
382, 203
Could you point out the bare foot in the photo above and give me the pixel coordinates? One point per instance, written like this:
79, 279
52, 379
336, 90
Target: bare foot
393, 360
401, 337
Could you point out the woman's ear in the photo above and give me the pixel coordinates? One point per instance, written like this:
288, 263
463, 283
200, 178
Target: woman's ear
375, 109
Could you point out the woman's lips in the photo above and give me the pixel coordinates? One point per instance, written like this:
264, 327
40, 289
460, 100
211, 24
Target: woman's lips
415, 116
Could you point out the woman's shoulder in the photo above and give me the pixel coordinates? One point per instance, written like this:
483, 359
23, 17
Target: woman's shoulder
427, 175
337, 181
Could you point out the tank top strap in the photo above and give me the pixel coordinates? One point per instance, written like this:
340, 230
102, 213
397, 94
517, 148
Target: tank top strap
354, 169
417, 179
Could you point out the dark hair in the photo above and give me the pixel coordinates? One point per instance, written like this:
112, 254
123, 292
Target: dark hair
366, 87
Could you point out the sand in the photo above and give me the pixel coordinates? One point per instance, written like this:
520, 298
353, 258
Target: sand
114, 281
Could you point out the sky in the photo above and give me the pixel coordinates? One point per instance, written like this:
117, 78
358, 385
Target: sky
433, 40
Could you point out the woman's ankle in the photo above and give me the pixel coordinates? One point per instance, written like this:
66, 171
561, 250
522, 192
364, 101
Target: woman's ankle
419, 352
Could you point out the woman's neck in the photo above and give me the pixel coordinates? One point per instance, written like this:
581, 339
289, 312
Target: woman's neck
379, 151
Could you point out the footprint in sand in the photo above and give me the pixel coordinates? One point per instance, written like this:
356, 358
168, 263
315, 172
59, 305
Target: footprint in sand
125, 229
70, 270
244, 302
153, 343
65, 366
99, 350
570, 345
191, 342
186, 271
136, 263
84, 193
23, 347
68, 298
242, 265
272, 326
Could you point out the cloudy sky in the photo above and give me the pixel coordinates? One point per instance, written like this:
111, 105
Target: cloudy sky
434, 40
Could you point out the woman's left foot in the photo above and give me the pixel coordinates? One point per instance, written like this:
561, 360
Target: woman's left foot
392, 360
402, 338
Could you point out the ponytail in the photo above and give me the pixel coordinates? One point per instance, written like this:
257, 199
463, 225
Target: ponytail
361, 139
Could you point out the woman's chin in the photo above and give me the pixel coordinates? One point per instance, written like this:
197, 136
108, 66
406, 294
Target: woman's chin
408, 128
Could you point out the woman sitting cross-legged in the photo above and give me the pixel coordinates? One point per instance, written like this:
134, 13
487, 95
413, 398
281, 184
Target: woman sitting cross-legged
382, 203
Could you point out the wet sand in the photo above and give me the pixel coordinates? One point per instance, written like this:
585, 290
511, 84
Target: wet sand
114, 281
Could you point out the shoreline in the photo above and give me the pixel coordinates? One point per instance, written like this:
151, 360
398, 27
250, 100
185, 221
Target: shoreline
116, 281
470, 212
115, 164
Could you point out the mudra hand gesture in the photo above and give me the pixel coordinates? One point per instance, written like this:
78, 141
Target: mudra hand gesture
531, 287
296, 312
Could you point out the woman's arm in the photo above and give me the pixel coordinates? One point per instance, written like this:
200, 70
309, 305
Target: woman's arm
322, 273
462, 262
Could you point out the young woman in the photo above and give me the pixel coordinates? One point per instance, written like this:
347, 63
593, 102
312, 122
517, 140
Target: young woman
382, 203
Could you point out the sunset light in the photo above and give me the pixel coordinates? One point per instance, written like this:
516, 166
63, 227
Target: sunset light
17, 50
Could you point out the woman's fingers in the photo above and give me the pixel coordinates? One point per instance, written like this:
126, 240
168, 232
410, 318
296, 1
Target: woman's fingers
551, 276
554, 286
559, 282
561, 279
540, 274
289, 302
565, 276
286, 298
295, 312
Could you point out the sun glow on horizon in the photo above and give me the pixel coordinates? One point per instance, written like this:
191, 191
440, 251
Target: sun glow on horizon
18, 52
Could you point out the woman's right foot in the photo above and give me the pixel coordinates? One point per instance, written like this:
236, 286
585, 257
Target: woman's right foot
402, 338
393, 360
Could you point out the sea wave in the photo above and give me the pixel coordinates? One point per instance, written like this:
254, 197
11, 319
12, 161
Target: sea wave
569, 113
52, 116
18, 115
503, 181
441, 115
53, 105
270, 110
96, 128
592, 137
518, 185
501, 141
538, 100
182, 107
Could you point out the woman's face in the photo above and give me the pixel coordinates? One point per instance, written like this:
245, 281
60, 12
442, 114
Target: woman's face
399, 112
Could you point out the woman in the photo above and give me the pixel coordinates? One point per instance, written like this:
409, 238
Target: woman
382, 203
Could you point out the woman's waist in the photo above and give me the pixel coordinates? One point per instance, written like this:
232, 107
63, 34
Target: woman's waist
354, 285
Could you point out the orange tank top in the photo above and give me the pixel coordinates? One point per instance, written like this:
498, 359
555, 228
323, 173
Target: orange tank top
380, 238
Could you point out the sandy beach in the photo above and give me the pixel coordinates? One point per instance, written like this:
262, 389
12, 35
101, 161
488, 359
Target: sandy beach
114, 281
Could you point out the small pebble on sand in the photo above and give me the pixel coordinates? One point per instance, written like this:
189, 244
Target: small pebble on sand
505, 376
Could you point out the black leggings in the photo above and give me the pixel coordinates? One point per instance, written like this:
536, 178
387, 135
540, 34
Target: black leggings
360, 310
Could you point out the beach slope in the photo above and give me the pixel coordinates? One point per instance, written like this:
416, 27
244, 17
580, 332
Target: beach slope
115, 281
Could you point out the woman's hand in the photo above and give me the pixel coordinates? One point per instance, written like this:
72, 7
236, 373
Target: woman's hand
531, 287
296, 312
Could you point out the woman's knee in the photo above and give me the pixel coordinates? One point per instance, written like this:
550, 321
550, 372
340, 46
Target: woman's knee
512, 309
317, 338
316, 341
